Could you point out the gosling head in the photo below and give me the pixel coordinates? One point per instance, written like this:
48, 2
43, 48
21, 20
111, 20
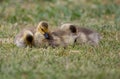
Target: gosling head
28, 38
42, 28
69, 27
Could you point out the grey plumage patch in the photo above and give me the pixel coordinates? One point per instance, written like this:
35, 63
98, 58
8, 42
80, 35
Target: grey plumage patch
85, 30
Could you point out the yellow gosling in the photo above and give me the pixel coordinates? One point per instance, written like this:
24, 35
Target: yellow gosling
42, 35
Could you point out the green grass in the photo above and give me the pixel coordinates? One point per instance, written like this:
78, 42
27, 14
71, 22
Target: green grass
79, 62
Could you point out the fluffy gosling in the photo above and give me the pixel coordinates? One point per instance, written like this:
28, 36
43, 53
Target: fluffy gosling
84, 35
24, 39
42, 36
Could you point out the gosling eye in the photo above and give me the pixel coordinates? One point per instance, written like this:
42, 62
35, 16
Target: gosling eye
42, 29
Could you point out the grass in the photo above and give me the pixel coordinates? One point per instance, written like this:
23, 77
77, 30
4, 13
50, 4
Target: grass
83, 61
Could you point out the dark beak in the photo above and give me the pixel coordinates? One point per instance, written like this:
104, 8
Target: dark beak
46, 35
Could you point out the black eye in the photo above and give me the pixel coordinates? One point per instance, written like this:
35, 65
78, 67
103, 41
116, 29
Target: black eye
42, 29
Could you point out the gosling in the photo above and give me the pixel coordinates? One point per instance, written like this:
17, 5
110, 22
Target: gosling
24, 39
42, 35
84, 35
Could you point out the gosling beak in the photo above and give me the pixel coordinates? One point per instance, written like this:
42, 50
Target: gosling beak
46, 35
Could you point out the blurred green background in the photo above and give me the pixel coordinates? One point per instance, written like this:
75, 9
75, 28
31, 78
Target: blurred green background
80, 62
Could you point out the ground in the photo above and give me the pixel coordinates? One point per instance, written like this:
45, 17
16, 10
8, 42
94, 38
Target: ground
79, 62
